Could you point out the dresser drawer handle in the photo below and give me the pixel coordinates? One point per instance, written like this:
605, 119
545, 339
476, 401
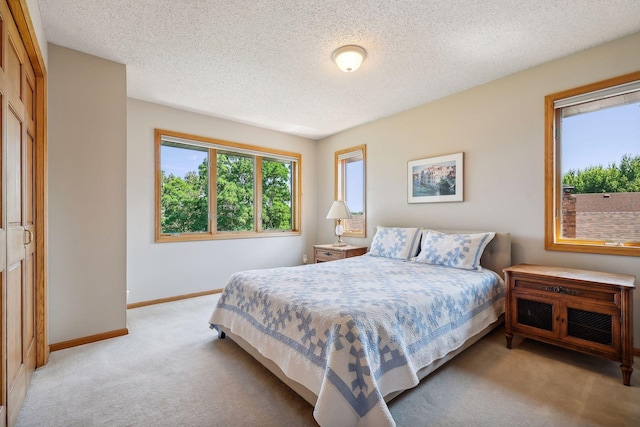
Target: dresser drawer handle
328, 253
560, 290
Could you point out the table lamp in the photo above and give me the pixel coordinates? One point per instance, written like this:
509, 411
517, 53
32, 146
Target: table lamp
339, 210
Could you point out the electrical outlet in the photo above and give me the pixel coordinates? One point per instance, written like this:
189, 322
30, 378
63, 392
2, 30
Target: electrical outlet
304, 258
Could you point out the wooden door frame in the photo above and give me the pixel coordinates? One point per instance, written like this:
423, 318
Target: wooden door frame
22, 19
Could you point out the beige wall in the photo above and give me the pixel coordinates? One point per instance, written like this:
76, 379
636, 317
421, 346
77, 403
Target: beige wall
87, 166
160, 270
499, 127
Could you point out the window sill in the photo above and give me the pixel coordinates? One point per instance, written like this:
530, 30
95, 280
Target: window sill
229, 235
628, 249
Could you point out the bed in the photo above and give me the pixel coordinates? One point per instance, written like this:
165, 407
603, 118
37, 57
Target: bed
350, 335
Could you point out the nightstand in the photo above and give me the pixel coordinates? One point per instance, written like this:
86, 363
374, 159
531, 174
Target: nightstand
587, 311
323, 253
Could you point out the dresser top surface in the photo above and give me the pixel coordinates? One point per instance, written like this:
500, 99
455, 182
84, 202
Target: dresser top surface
623, 280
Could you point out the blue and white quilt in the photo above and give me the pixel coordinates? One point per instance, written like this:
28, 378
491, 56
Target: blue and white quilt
355, 330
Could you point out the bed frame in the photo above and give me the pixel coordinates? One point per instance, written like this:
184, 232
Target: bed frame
496, 257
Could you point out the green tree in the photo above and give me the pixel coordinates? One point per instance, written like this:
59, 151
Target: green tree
234, 184
276, 195
622, 178
185, 201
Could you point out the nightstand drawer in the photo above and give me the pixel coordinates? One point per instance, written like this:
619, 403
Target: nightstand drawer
324, 253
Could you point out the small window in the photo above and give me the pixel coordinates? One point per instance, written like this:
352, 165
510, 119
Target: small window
211, 189
351, 187
234, 192
277, 182
184, 188
592, 152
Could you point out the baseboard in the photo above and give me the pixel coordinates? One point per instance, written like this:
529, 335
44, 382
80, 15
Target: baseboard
176, 298
88, 340
119, 332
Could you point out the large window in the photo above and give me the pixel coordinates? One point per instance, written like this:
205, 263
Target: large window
351, 187
212, 189
592, 188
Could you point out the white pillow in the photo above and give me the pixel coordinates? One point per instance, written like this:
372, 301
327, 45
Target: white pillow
453, 250
395, 242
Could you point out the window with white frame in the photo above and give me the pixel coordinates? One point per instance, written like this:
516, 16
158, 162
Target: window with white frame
213, 189
592, 171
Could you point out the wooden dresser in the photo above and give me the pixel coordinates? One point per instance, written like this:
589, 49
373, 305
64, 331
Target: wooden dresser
582, 310
323, 253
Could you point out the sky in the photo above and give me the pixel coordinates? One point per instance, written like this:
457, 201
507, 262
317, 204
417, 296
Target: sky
355, 186
179, 161
601, 137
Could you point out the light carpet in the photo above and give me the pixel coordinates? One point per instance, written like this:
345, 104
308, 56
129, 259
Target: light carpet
172, 370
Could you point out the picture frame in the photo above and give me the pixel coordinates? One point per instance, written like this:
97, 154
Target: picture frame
435, 179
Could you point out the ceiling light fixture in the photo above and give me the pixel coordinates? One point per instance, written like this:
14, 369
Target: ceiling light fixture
349, 58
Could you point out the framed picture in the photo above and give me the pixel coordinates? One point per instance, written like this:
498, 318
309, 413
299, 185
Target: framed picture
436, 179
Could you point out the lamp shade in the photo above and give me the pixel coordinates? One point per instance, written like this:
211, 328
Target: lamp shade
339, 210
349, 58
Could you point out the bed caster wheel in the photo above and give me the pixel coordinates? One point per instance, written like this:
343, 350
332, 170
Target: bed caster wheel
221, 335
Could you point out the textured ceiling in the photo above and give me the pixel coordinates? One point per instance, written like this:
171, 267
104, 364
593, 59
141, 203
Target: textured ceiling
268, 63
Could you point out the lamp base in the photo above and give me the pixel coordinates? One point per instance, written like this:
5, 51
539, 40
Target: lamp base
339, 242
339, 231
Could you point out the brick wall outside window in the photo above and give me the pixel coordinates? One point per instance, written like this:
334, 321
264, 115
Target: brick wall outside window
613, 216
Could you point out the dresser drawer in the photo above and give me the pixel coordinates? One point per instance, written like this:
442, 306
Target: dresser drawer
591, 292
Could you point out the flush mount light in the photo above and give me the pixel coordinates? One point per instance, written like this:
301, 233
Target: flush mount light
349, 58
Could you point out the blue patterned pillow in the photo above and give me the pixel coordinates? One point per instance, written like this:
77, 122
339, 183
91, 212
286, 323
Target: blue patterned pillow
453, 250
394, 242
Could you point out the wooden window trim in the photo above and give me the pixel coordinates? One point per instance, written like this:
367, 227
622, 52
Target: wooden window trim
257, 193
213, 234
552, 178
338, 190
